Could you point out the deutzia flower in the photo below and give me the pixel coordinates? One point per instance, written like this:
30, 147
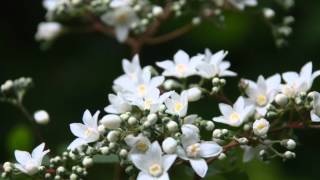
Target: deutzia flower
118, 104
194, 151
177, 104
182, 67
30, 163
87, 132
122, 19
153, 164
261, 127
120, 3
297, 83
315, 113
48, 31
142, 86
234, 115
241, 4
131, 70
138, 144
151, 101
263, 92
213, 65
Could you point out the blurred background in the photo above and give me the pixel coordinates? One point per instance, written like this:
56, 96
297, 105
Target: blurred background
76, 73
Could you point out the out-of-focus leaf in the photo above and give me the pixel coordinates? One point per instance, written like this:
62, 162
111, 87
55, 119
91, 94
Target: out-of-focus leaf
21, 138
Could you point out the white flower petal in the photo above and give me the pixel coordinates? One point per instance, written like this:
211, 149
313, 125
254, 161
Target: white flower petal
210, 149
167, 161
76, 144
22, 156
199, 166
225, 109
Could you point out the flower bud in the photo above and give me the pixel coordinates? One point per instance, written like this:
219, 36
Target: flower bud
73, 176
60, 169
243, 141
169, 145
41, 117
101, 129
123, 153
124, 116
87, 162
289, 144
289, 155
261, 127
209, 125
113, 136
157, 10
215, 81
111, 121
6, 86
268, 13
194, 94
104, 150
222, 156
217, 133
172, 126
196, 21
282, 100
152, 118
170, 84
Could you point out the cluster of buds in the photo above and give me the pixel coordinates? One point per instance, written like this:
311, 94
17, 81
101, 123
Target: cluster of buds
140, 19
148, 128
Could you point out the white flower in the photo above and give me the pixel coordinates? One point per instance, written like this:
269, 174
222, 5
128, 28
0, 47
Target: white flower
131, 70
177, 104
297, 83
261, 127
51, 5
141, 86
138, 144
118, 104
234, 115
169, 145
87, 132
262, 93
30, 163
213, 65
120, 3
241, 4
48, 31
122, 19
194, 94
41, 117
194, 151
182, 67
111, 121
315, 112
151, 101
153, 165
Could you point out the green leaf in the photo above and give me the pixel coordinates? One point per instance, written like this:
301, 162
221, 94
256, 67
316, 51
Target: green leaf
106, 159
20, 137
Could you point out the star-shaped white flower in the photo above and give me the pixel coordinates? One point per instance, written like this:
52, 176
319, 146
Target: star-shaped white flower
214, 65
121, 18
30, 163
241, 4
151, 101
86, 132
153, 165
262, 93
194, 150
118, 104
177, 104
299, 82
315, 112
183, 66
120, 3
234, 115
138, 144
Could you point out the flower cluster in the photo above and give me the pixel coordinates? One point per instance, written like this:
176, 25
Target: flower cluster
147, 125
140, 19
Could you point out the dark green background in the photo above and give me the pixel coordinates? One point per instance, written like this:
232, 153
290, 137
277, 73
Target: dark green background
76, 73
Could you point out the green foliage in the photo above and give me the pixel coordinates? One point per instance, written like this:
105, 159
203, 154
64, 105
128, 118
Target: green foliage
20, 137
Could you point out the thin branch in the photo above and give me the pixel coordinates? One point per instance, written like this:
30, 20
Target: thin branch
170, 36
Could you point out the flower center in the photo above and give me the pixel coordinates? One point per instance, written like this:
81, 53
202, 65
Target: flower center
193, 150
88, 132
147, 103
142, 89
181, 68
261, 126
261, 100
142, 146
289, 90
122, 18
234, 117
155, 170
178, 107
